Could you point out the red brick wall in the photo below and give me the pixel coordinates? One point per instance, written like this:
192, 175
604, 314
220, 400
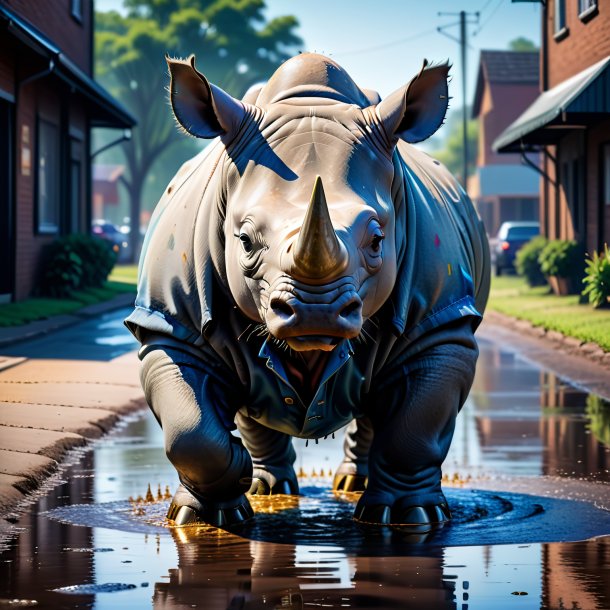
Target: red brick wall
586, 43
501, 104
37, 98
54, 19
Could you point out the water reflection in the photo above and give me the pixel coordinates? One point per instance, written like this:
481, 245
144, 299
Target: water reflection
522, 421
518, 421
263, 575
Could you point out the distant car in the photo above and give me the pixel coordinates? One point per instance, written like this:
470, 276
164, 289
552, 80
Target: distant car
511, 236
108, 232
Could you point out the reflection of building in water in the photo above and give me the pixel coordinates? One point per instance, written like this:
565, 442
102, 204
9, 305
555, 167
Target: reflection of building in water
519, 420
228, 571
570, 438
576, 575
33, 558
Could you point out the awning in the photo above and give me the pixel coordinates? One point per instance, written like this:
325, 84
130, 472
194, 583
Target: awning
105, 110
577, 102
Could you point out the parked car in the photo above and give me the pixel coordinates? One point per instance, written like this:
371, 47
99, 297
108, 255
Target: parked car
511, 236
108, 232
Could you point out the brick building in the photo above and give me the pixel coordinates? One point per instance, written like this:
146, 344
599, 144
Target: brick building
49, 103
570, 122
503, 188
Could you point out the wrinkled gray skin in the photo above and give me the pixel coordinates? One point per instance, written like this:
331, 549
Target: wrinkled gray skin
311, 231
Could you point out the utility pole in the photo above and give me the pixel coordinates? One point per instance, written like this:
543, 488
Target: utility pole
463, 42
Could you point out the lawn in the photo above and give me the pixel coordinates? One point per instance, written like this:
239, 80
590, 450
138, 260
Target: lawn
510, 295
121, 280
125, 273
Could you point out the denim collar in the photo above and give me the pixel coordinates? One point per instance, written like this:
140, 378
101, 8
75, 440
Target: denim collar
339, 356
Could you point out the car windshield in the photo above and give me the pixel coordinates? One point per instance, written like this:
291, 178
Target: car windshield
522, 232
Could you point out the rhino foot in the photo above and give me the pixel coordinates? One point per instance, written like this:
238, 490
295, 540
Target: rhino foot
418, 519
186, 509
349, 482
262, 487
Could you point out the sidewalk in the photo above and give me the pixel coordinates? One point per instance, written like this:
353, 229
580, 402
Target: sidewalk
49, 406
14, 334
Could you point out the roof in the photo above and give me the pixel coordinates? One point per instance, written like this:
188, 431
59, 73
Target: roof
105, 110
580, 100
107, 172
505, 67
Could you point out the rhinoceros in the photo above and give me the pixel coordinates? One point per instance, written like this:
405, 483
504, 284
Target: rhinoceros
309, 270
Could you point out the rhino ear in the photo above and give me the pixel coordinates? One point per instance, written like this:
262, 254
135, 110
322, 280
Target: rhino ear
415, 111
204, 110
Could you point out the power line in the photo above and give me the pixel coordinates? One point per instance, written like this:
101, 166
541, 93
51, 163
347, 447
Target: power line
463, 42
489, 17
485, 5
386, 45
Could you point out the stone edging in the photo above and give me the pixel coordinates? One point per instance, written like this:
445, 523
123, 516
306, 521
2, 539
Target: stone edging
570, 345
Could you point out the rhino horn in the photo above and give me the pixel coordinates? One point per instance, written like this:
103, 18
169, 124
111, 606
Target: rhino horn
318, 252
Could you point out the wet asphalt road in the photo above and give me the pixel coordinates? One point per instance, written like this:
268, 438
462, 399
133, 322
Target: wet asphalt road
523, 431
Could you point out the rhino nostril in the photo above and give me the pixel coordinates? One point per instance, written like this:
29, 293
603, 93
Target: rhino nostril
349, 309
281, 309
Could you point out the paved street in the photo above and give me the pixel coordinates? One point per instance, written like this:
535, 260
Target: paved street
58, 392
524, 430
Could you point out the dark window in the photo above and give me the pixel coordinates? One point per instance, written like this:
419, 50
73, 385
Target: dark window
523, 232
76, 8
48, 178
7, 206
586, 8
75, 186
560, 16
606, 173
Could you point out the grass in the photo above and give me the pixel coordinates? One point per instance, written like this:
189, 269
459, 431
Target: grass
125, 273
511, 295
121, 280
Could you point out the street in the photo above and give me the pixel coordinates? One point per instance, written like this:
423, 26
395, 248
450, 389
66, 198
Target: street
527, 480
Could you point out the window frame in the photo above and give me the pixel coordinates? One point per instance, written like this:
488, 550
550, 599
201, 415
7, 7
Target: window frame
588, 13
76, 10
52, 227
560, 30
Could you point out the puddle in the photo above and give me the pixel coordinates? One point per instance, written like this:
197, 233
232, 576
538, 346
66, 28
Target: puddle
528, 472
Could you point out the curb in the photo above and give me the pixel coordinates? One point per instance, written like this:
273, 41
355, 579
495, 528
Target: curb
568, 345
16, 334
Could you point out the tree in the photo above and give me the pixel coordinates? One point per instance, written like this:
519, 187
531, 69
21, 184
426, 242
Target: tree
235, 47
522, 44
450, 152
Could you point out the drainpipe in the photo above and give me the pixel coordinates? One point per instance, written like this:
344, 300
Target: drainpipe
16, 143
38, 75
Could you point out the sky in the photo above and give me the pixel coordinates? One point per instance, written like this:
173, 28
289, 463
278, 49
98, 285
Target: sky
382, 43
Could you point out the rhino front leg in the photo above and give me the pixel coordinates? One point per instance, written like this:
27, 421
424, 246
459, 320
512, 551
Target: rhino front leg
353, 472
272, 455
414, 423
215, 469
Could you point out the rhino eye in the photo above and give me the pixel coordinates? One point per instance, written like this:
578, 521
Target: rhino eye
246, 243
376, 242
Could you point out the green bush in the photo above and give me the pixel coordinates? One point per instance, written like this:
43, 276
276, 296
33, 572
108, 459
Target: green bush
75, 262
62, 271
526, 261
97, 256
597, 278
562, 258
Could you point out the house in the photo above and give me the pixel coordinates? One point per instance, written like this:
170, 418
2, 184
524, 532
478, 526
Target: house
503, 187
106, 190
569, 122
49, 103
